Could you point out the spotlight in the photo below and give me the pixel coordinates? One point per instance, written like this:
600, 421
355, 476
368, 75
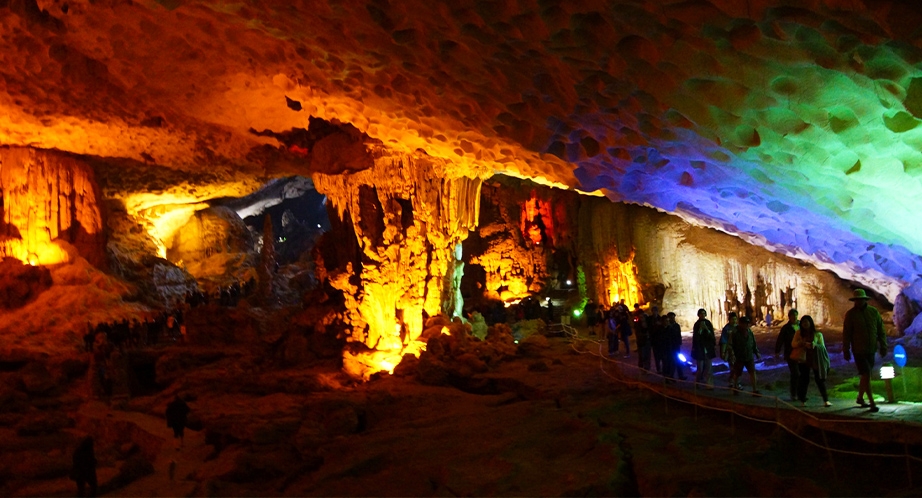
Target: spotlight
577, 313
569, 282
682, 358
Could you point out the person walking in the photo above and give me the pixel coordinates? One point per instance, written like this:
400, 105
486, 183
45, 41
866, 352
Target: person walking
704, 346
816, 359
673, 344
744, 353
783, 343
642, 340
83, 471
624, 330
176, 413
658, 340
611, 333
863, 334
592, 316
732, 322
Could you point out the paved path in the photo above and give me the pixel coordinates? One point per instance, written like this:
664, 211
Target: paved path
187, 460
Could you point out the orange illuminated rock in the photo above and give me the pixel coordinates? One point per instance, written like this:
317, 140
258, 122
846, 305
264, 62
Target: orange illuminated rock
50, 210
409, 220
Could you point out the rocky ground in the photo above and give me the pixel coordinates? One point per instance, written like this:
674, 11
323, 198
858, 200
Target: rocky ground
546, 417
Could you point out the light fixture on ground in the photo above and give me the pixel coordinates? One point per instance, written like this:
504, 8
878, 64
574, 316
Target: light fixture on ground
887, 373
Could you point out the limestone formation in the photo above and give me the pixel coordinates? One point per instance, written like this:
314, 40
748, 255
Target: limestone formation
409, 215
50, 208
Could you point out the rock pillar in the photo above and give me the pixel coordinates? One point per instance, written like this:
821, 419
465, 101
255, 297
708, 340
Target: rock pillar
409, 214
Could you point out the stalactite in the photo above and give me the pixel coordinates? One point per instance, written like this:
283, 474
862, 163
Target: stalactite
50, 210
408, 226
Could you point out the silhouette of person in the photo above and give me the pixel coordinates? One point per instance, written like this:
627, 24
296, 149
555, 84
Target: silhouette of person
176, 413
863, 334
84, 469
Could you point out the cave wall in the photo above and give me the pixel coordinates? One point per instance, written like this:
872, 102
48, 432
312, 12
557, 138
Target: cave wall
640, 255
682, 267
50, 209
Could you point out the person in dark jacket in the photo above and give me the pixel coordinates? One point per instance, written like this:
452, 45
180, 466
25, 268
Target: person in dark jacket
592, 316
704, 348
788, 331
642, 340
84, 467
672, 368
176, 413
658, 339
863, 334
744, 353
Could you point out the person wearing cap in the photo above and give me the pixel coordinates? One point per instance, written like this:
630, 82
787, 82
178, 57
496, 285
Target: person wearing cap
862, 336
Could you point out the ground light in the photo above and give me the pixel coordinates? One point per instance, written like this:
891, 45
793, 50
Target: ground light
887, 373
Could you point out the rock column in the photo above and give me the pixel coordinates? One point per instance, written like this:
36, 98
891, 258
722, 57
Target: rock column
409, 215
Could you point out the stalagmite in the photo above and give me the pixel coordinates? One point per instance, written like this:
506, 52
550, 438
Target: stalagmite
409, 215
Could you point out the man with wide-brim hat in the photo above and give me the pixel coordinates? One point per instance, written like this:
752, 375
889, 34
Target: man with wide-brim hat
863, 335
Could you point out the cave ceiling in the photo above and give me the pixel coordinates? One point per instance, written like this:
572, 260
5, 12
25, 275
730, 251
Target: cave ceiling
793, 124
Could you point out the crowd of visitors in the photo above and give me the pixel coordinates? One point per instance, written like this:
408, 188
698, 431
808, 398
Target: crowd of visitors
801, 345
145, 331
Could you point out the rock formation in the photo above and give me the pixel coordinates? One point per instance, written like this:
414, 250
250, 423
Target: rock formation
50, 208
639, 255
409, 214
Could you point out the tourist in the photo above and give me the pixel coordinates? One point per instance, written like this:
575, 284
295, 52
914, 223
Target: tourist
658, 340
732, 322
642, 326
624, 329
817, 360
672, 367
592, 316
601, 318
704, 345
612, 333
176, 413
83, 471
783, 343
743, 352
863, 334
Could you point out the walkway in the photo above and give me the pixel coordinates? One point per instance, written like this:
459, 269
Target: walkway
187, 460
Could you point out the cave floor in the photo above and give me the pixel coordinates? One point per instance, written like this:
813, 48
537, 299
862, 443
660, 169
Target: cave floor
562, 420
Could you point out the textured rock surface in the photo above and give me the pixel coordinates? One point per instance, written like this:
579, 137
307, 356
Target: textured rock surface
50, 208
640, 255
214, 243
409, 216
21, 283
780, 122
